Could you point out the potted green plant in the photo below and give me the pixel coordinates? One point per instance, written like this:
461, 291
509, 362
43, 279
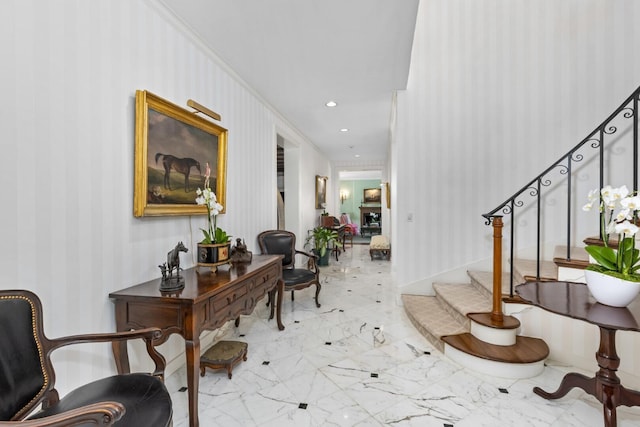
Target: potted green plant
319, 239
213, 250
614, 279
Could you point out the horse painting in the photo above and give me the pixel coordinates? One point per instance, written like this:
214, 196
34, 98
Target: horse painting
182, 166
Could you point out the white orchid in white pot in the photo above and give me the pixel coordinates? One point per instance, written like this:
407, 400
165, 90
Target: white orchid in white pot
618, 215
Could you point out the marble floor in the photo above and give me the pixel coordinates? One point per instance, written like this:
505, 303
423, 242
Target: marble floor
358, 361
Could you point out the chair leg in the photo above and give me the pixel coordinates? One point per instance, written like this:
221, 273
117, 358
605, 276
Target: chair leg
317, 293
291, 295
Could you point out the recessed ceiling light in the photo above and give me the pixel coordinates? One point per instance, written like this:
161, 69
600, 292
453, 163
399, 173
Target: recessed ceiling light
357, 155
331, 104
344, 130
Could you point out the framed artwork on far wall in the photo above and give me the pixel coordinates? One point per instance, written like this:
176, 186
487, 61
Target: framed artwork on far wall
321, 191
372, 195
172, 149
388, 195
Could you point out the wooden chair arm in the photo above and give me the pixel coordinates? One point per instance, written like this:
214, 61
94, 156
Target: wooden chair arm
100, 414
151, 336
307, 254
312, 260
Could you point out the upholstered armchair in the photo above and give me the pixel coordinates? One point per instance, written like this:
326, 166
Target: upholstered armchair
27, 376
281, 242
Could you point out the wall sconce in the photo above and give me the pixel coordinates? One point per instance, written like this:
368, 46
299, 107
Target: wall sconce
344, 195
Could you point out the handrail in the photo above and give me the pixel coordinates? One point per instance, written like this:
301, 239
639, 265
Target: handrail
534, 187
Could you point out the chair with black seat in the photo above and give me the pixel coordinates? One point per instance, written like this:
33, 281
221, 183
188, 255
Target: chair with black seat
281, 242
27, 376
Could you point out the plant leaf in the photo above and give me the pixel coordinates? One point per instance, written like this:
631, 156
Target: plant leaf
604, 256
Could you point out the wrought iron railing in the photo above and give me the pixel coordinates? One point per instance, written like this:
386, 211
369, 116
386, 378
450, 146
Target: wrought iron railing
596, 141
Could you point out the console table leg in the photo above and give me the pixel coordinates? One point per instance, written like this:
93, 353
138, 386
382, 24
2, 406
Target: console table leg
121, 356
192, 350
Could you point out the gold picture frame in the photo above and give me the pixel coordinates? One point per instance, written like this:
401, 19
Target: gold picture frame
388, 194
321, 191
172, 148
372, 195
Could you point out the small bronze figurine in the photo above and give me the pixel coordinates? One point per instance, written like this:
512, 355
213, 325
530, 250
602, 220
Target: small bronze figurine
169, 281
240, 254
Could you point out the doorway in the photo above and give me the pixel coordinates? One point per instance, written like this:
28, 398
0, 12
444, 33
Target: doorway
357, 205
281, 187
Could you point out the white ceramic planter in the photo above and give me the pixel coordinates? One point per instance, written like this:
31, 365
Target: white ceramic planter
611, 290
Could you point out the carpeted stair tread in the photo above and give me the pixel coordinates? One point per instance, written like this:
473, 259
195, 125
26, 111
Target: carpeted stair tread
526, 270
430, 318
464, 298
483, 280
525, 350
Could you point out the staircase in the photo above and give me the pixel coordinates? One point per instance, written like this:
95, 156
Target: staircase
465, 320
457, 321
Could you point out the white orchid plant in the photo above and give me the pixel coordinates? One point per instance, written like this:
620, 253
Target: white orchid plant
618, 214
213, 234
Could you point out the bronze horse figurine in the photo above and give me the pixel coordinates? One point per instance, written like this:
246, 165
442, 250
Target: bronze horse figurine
173, 260
182, 166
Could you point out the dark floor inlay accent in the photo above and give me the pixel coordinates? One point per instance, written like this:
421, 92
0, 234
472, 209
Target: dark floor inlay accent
302, 406
376, 328
327, 343
427, 352
241, 335
374, 375
266, 362
296, 321
504, 390
182, 389
378, 301
348, 290
448, 425
341, 311
379, 284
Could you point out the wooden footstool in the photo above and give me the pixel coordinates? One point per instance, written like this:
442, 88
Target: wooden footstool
223, 354
380, 246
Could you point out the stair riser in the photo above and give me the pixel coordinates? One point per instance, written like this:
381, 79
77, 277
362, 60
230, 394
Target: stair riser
495, 336
493, 368
436, 341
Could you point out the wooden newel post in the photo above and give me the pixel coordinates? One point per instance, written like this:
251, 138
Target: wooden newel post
496, 313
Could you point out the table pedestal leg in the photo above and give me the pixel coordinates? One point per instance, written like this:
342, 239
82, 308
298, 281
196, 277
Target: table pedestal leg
605, 386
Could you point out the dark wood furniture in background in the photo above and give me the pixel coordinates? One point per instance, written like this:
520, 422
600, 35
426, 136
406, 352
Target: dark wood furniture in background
207, 301
344, 233
283, 244
370, 215
573, 300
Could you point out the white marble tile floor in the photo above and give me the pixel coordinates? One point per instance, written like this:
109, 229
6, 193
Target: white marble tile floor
358, 361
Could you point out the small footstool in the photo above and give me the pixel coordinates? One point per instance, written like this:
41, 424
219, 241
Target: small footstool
223, 354
380, 246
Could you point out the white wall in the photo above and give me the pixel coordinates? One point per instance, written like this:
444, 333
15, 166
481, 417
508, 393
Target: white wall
69, 75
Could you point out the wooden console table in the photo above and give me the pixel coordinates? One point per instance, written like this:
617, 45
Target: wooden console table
573, 300
207, 301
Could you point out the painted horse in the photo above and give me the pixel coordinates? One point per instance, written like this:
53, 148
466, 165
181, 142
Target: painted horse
173, 259
182, 166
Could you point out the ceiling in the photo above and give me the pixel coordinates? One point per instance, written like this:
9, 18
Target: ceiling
299, 54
